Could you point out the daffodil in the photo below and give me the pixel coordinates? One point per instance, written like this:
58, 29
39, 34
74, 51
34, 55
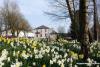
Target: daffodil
8, 59
62, 65
8, 41
43, 65
0, 39
81, 56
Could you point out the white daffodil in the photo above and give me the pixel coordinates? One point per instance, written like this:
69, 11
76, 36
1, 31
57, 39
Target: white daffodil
89, 60
34, 63
17, 64
51, 62
1, 64
8, 59
65, 55
59, 62
12, 44
47, 50
35, 51
24, 55
52, 50
40, 55
54, 60
62, 65
36, 56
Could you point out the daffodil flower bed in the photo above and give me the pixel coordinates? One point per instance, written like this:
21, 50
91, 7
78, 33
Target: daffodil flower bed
24, 52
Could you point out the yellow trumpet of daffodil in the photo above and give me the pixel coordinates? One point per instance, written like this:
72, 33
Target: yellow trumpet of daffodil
73, 55
4, 40
8, 41
43, 65
81, 56
0, 39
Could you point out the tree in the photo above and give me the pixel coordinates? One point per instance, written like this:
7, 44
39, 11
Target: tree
12, 18
78, 13
83, 23
67, 9
1, 25
24, 26
9, 14
74, 28
95, 21
64, 9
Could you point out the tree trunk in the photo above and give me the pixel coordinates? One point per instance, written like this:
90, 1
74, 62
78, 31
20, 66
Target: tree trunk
84, 30
6, 30
95, 21
13, 33
18, 32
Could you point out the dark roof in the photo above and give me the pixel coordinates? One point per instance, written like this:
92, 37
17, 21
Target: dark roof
42, 27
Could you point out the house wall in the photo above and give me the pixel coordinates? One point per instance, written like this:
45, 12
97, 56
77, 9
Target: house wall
42, 33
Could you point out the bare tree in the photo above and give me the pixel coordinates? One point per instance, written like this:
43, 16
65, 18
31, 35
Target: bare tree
79, 13
64, 9
67, 9
4, 12
24, 26
9, 14
12, 18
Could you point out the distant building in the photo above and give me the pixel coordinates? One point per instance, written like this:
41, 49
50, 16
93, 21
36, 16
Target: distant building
46, 32
53, 35
42, 32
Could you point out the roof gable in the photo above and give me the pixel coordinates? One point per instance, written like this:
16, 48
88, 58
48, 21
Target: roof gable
42, 27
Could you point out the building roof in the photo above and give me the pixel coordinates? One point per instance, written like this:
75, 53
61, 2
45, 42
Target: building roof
42, 27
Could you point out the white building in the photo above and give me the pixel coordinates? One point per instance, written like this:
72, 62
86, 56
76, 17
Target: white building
42, 32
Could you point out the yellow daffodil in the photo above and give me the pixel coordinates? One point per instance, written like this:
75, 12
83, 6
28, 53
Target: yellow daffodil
43, 65
81, 56
8, 41
73, 55
0, 39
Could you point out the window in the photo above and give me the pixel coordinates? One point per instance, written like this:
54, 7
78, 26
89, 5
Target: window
45, 35
45, 30
36, 35
40, 35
